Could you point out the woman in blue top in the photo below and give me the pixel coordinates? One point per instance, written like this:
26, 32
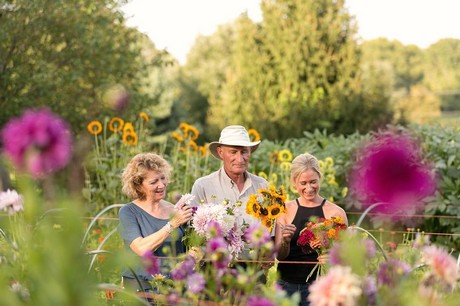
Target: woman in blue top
150, 223
306, 177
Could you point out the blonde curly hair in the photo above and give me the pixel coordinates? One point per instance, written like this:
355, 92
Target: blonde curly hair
134, 174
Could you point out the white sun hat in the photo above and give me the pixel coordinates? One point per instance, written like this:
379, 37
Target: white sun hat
233, 135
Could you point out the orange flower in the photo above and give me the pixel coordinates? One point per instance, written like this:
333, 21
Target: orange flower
116, 124
255, 135
144, 116
130, 138
94, 127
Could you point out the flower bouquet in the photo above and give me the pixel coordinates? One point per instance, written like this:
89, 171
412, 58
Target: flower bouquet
222, 219
267, 205
318, 236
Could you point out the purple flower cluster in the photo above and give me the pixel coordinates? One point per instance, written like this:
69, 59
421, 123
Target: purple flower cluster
38, 142
391, 169
151, 263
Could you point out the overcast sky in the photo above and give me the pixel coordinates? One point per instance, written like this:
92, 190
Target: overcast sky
174, 24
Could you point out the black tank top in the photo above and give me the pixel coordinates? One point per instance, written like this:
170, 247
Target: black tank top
297, 273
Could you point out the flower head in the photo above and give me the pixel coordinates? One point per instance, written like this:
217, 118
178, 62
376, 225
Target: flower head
443, 265
338, 287
44, 144
12, 201
391, 271
195, 283
151, 263
255, 300
392, 169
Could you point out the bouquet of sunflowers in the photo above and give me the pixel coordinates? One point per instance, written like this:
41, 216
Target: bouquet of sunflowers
267, 205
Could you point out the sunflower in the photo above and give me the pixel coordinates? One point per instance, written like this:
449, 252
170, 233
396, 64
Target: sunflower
193, 146
255, 135
263, 175
252, 206
130, 138
116, 124
268, 223
193, 131
177, 137
203, 150
274, 158
285, 166
94, 127
128, 128
285, 155
184, 127
275, 210
144, 116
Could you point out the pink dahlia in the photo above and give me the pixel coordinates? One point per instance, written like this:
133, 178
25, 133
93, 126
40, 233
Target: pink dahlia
391, 169
443, 265
38, 142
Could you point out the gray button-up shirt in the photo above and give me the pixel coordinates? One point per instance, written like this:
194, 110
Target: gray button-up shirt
217, 187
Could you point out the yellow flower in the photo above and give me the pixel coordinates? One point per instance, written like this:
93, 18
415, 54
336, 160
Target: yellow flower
184, 127
268, 223
274, 158
329, 162
275, 210
321, 166
193, 146
274, 178
263, 174
285, 155
255, 135
331, 233
130, 138
193, 131
285, 166
203, 150
344, 192
116, 124
128, 128
177, 137
252, 206
94, 127
144, 116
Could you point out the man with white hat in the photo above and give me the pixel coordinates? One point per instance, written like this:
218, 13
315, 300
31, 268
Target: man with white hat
232, 181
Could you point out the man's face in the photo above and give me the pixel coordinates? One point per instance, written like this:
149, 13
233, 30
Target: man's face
236, 159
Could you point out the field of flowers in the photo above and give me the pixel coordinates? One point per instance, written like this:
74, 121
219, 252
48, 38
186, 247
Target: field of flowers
59, 247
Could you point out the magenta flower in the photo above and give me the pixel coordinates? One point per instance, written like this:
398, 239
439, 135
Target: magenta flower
151, 263
391, 169
254, 300
38, 142
184, 269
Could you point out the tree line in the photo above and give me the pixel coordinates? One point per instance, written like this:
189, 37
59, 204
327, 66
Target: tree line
303, 67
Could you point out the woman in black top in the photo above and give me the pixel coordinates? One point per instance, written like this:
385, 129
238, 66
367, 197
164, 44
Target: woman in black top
306, 177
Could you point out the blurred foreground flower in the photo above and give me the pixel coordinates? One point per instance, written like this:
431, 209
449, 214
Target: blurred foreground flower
11, 201
391, 169
38, 142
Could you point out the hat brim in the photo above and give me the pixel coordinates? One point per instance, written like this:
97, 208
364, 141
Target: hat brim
215, 144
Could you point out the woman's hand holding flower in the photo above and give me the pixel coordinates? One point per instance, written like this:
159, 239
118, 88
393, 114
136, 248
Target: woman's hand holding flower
182, 216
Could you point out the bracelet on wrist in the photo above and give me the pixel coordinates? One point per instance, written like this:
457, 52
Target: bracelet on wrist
169, 227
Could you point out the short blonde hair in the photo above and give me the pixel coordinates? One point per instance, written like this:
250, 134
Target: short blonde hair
134, 173
302, 163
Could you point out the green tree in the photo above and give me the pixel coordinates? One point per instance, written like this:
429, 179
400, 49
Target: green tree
66, 55
297, 70
441, 72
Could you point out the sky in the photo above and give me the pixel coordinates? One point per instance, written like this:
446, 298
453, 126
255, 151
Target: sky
174, 24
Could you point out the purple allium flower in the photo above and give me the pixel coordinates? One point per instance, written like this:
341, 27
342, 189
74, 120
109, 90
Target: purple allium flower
257, 235
391, 271
195, 283
151, 263
12, 201
38, 142
254, 300
391, 169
